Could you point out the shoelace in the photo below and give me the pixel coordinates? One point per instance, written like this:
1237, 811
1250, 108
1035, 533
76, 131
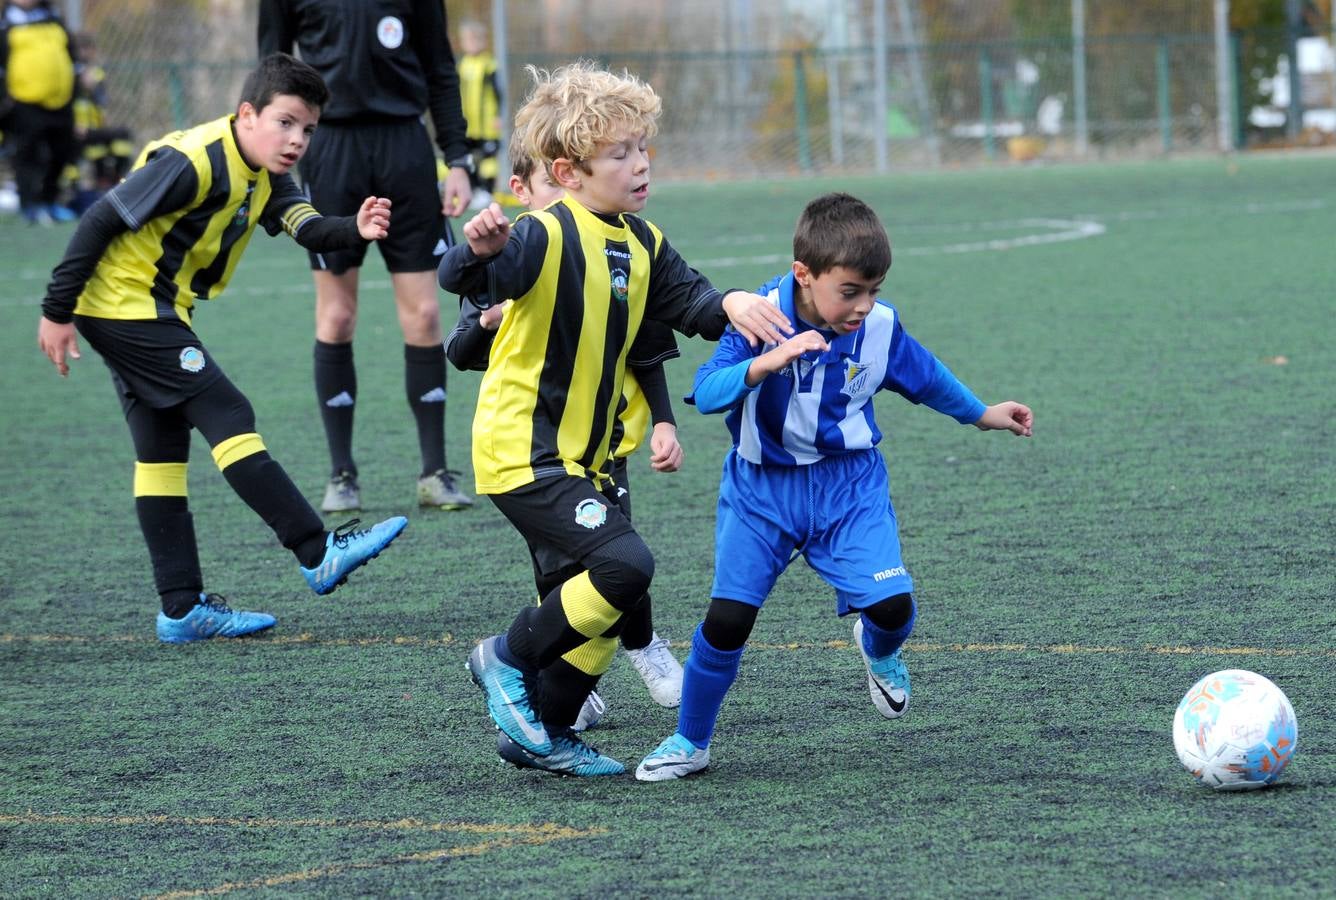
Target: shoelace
216, 602
567, 742
651, 655
448, 476
347, 532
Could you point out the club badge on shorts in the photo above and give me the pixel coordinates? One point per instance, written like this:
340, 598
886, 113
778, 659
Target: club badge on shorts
192, 359
590, 514
390, 31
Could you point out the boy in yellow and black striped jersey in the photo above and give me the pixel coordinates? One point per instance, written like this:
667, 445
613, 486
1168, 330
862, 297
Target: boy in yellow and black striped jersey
645, 400
170, 234
582, 274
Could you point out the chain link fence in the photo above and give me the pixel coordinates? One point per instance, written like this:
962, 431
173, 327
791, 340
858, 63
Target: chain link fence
792, 87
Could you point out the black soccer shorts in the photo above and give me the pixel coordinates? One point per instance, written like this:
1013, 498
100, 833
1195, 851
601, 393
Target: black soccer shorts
346, 163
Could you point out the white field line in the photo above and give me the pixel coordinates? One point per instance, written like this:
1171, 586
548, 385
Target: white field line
1043, 231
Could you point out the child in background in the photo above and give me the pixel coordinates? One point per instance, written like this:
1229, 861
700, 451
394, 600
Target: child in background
106, 150
171, 234
480, 96
805, 474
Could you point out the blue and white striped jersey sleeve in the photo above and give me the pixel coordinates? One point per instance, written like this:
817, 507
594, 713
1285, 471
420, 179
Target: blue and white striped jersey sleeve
920, 377
721, 383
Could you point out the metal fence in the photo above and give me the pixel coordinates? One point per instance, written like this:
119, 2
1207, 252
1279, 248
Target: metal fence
767, 103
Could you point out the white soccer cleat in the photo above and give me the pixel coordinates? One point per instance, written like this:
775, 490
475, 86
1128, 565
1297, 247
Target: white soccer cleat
676, 757
660, 671
887, 678
590, 713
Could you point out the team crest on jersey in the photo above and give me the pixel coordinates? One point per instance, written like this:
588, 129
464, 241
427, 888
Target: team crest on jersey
590, 514
619, 290
192, 359
855, 377
390, 32
243, 212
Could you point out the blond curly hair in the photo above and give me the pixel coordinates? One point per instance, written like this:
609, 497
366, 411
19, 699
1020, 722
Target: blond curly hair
573, 109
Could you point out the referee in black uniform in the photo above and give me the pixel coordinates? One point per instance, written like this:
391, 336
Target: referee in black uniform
386, 62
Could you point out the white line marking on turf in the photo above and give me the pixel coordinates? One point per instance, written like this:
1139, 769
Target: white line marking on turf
1061, 230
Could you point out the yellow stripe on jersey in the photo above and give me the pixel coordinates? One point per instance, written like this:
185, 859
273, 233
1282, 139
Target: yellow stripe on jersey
633, 419
584, 607
549, 397
594, 656
236, 448
159, 271
160, 479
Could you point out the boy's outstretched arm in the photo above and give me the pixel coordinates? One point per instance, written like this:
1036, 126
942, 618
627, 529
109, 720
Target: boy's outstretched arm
756, 318
373, 219
1007, 416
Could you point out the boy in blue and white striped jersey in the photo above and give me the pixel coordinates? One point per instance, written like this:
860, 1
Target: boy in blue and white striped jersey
804, 473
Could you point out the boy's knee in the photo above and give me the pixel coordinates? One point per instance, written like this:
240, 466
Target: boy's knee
621, 570
892, 613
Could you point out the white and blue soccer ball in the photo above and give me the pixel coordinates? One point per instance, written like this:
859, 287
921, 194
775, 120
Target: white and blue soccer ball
1235, 730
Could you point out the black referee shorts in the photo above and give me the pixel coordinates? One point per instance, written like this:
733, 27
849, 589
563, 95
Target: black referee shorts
563, 519
159, 362
346, 163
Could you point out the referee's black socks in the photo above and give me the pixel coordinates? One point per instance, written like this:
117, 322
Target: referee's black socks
424, 382
336, 389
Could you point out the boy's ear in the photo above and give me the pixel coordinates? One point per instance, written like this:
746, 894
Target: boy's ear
801, 273
519, 189
246, 112
566, 174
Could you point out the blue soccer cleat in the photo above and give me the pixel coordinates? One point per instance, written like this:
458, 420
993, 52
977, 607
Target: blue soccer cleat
211, 618
569, 756
508, 699
887, 678
348, 549
676, 757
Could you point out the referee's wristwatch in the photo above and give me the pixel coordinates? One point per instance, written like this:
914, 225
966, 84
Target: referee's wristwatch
464, 162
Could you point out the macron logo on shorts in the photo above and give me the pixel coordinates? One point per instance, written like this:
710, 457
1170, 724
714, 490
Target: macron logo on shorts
342, 398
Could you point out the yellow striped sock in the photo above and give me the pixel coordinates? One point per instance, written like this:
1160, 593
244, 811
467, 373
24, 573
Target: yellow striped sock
160, 479
594, 656
585, 609
236, 448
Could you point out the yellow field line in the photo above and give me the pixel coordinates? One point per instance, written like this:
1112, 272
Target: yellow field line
444, 640
516, 836
448, 640
270, 881
341, 868
547, 830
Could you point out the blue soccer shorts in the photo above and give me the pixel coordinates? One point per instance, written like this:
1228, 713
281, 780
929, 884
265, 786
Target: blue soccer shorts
837, 512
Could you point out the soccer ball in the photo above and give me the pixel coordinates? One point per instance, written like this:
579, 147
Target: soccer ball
1235, 730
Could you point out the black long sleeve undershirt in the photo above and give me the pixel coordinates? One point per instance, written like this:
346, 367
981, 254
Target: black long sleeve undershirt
102, 224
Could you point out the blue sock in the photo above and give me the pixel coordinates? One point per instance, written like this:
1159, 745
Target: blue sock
880, 643
706, 678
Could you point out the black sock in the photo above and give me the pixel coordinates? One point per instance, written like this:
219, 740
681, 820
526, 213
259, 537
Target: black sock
169, 531
336, 390
424, 381
562, 689
637, 626
259, 480
540, 634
